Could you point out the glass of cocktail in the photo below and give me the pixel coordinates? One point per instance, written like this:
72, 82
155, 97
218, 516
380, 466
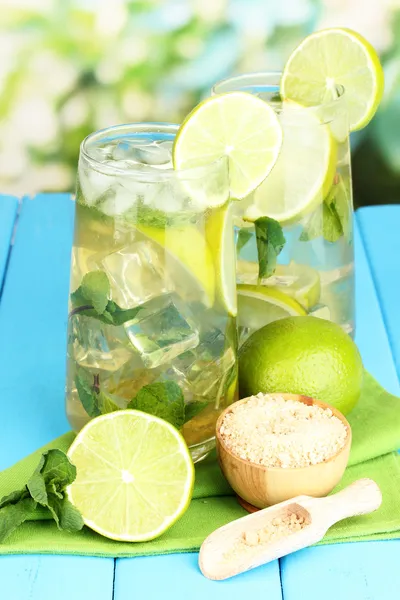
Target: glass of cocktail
308, 194
153, 302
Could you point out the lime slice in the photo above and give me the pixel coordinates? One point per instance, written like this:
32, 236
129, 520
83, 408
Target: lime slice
220, 237
334, 57
259, 305
300, 282
134, 475
189, 257
304, 170
237, 125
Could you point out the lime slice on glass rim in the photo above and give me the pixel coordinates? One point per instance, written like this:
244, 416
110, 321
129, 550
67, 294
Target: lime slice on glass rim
237, 125
300, 282
304, 170
134, 478
260, 305
333, 57
220, 238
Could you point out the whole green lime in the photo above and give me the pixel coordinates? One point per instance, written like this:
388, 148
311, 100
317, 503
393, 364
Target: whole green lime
302, 355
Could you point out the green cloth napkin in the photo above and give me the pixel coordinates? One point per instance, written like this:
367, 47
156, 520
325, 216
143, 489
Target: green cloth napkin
376, 437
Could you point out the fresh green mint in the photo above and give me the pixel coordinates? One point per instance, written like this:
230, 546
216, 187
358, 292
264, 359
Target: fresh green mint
270, 242
92, 299
162, 399
243, 237
46, 488
94, 400
193, 409
334, 220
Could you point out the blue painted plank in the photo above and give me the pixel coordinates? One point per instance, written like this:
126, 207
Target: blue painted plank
371, 335
362, 571
380, 232
177, 577
55, 578
8, 214
350, 570
33, 316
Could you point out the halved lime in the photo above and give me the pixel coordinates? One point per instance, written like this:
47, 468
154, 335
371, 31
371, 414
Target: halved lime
189, 257
237, 125
331, 57
304, 170
134, 475
260, 305
220, 238
300, 282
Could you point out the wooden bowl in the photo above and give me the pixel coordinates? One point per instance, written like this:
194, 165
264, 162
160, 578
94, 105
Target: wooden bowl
262, 486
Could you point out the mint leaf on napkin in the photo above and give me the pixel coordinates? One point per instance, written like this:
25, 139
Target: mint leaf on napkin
270, 242
92, 299
47, 488
162, 399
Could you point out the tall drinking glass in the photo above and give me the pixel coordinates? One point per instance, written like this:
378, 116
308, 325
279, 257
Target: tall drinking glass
309, 192
152, 284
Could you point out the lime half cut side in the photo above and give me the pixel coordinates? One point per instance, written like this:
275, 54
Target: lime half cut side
237, 125
134, 475
259, 305
304, 170
333, 57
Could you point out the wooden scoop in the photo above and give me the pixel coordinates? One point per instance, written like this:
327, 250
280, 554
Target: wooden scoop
226, 552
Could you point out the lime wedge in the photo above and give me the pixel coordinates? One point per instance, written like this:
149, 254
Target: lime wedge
189, 257
220, 238
334, 57
260, 305
134, 475
237, 125
304, 170
300, 282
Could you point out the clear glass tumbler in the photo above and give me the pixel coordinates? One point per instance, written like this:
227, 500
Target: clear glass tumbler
309, 192
152, 284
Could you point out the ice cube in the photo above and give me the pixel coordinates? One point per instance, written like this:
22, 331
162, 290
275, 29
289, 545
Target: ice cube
95, 345
118, 200
162, 330
205, 367
136, 273
94, 184
143, 153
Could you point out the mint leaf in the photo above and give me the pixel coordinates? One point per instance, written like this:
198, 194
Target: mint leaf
270, 242
93, 399
96, 289
333, 219
193, 409
162, 399
244, 236
46, 487
13, 515
91, 299
87, 396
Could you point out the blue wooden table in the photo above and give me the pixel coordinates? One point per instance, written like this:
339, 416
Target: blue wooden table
35, 243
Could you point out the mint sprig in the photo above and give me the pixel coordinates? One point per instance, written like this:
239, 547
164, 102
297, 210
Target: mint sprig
46, 488
93, 299
162, 399
270, 242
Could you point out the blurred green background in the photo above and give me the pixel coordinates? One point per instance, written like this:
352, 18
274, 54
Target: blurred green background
69, 67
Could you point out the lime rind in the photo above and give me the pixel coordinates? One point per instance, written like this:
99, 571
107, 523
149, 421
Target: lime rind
121, 482
237, 125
